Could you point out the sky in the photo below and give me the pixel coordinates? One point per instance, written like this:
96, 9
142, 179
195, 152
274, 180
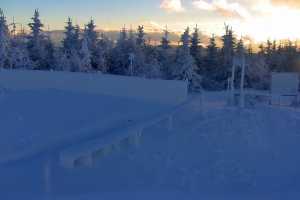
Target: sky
258, 19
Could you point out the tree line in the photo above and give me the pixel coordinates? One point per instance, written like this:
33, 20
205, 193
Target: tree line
85, 50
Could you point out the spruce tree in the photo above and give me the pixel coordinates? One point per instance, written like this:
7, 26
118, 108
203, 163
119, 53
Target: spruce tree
166, 56
123, 35
250, 50
126, 55
91, 35
212, 68
195, 41
229, 43
212, 51
36, 43
103, 47
262, 50
131, 42
69, 40
71, 47
240, 48
185, 67
4, 41
77, 32
185, 40
140, 40
18, 53
85, 56
118, 59
165, 42
36, 27
49, 50
196, 50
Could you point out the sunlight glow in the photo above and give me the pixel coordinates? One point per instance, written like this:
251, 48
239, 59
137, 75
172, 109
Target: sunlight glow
278, 23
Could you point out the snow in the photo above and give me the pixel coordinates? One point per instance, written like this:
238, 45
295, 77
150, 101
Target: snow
37, 120
213, 151
157, 91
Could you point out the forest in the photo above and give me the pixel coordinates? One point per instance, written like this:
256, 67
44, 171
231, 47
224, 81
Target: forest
86, 50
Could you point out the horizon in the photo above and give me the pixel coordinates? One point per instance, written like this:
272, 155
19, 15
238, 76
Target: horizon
248, 19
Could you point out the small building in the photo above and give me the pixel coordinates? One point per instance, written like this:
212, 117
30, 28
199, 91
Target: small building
284, 88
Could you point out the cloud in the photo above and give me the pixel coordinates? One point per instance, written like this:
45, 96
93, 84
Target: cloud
288, 3
223, 7
172, 5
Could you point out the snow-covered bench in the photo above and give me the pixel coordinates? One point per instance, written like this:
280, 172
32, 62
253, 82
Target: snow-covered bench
85, 154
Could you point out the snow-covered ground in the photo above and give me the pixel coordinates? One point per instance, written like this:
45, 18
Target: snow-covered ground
213, 152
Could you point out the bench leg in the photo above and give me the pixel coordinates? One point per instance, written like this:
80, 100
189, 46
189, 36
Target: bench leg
135, 139
47, 178
170, 123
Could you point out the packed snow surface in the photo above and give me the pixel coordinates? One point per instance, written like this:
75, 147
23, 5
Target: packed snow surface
213, 152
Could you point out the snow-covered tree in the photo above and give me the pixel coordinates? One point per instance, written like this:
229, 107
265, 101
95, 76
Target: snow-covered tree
229, 43
240, 48
250, 50
67, 62
185, 67
212, 68
185, 41
91, 35
35, 38
85, 56
123, 35
76, 35
166, 56
71, 39
152, 70
140, 40
258, 74
4, 41
126, 58
165, 42
195, 43
62, 61
118, 57
18, 53
212, 58
49, 51
104, 46
68, 58
240, 55
40, 47
195, 50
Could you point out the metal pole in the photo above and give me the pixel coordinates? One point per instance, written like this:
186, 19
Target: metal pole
242, 100
232, 84
47, 178
131, 59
